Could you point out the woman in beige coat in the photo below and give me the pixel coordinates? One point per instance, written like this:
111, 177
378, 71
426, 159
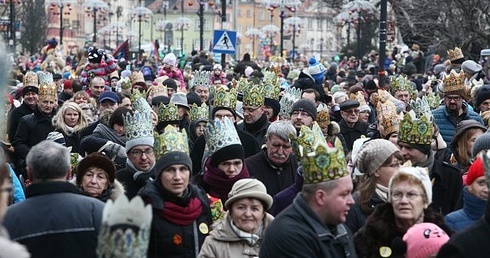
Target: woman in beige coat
240, 233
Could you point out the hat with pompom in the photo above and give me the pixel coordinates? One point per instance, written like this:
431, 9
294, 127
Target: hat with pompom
316, 70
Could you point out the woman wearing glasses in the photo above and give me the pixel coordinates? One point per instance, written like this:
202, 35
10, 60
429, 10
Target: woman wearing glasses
409, 197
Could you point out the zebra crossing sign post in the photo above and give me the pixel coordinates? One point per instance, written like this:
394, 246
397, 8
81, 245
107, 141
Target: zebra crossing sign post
224, 41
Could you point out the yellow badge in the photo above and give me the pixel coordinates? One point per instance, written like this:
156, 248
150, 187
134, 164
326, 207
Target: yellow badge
385, 251
203, 228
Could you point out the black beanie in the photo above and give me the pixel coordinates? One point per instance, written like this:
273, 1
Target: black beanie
172, 158
94, 56
482, 94
215, 109
234, 151
27, 89
305, 105
274, 104
424, 148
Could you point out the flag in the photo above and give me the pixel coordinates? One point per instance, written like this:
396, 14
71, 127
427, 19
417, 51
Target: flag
122, 51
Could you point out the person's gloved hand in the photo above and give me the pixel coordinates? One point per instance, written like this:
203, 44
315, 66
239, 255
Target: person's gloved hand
114, 149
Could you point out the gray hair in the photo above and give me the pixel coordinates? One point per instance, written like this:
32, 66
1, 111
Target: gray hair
282, 129
48, 160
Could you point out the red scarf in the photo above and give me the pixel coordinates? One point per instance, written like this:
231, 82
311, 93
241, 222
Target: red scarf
182, 216
219, 185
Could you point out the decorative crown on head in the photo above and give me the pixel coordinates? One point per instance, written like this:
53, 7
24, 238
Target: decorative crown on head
455, 54
125, 228
321, 163
157, 90
225, 98
31, 79
387, 117
400, 83
290, 96
243, 85
254, 97
271, 85
421, 107
201, 78
125, 83
416, 130
168, 113
323, 118
221, 133
138, 125
138, 102
170, 140
359, 96
454, 83
199, 112
137, 77
47, 88
434, 100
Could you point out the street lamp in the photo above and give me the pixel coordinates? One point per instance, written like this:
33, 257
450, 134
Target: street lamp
91, 7
119, 11
182, 23
141, 13
61, 4
295, 23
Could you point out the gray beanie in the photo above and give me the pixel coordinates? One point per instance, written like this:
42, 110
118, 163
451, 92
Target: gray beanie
373, 154
172, 158
305, 105
481, 143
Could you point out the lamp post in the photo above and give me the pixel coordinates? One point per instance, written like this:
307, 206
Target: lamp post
91, 7
321, 48
182, 23
119, 11
60, 4
141, 13
295, 23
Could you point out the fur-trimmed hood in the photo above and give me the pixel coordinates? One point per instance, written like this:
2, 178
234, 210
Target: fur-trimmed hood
333, 128
116, 191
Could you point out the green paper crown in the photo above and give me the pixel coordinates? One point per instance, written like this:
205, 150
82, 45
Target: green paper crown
433, 100
254, 97
272, 85
199, 112
416, 130
170, 140
225, 98
400, 83
168, 113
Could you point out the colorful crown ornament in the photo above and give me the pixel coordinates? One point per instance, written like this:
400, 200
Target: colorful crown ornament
170, 140
421, 107
168, 113
415, 130
137, 77
125, 83
199, 112
271, 85
221, 133
138, 125
157, 90
243, 85
400, 83
290, 96
138, 102
254, 97
455, 54
323, 118
306, 140
125, 228
31, 79
201, 78
225, 98
359, 96
434, 100
387, 117
454, 84
47, 88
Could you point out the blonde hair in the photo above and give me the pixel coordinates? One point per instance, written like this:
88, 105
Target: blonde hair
59, 119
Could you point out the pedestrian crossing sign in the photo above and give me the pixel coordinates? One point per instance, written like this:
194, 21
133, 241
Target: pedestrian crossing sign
224, 41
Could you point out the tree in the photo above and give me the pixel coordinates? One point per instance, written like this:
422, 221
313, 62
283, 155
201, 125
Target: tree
34, 25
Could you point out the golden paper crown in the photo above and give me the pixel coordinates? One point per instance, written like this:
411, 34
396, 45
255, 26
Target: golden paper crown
201, 78
125, 228
199, 112
137, 77
254, 97
305, 142
387, 117
271, 85
323, 118
170, 140
138, 125
243, 85
434, 100
31, 79
455, 54
225, 98
415, 130
168, 113
220, 134
290, 96
47, 88
454, 83
400, 83
359, 96
157, 90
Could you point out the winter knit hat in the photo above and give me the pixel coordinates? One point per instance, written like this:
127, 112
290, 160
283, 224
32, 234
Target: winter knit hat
475, 171
419, 173
481, 143
305, 105
170, 59
471, 66
96, 160
373, 154
234, 151
274, 104
172, 158
248, 188
424, 240
316, 70
482, 94
95, 55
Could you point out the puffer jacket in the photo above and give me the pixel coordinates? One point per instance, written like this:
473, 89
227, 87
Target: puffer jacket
473, 209
447, 126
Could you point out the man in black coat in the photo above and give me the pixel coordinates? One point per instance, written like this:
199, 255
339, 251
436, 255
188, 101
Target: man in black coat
242, 65
350, 126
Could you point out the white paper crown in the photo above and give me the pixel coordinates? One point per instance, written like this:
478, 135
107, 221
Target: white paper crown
125, 228
221, 133
292, 95
201, 78
139, 102
138, 125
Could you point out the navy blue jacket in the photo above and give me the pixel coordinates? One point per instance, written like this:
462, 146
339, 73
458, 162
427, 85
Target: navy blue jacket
447, 124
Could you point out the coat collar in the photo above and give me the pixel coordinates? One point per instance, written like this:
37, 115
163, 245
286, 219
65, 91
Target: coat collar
51, 187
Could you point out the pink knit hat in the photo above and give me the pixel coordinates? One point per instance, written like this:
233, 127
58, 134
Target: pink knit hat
424, 240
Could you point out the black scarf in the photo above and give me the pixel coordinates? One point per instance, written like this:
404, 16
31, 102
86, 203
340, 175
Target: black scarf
255, 127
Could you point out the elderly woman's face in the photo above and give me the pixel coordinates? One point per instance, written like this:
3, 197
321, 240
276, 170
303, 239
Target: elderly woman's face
247, 213
231, 167
94, 181
409, 201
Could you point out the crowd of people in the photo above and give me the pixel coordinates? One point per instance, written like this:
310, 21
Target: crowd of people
259, 159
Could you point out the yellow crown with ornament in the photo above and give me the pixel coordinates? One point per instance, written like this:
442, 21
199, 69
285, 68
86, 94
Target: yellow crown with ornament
454, 83
254, 96
168, 113
31, 79
359, 96
157, 90
225, 98
199, 112
387, 117
47, 88
271, 85
434, 100
170, 140
416, 130
400, 83
243, 85
455, 54
323, 118
321, 163
137, 77
139, 102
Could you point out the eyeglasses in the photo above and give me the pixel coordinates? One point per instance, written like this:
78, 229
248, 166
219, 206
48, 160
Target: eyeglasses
249, 110
139, 153
397, 196
298, 113
455, 98
351, 111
